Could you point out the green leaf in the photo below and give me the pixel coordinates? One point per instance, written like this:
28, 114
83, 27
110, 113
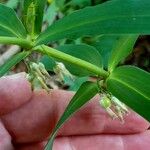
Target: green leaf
75, 85
104, 45
12, 62
10, 25
12, 3
60, 3
131, 85
114, 48
33, 15
80, 2
48, 62
87, 91
51, 13
121, 49
112, 17
84, 52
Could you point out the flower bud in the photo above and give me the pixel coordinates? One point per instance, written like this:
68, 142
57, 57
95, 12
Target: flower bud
37, 76
105, 102
61, 71
114, 107
117, 102
111, 113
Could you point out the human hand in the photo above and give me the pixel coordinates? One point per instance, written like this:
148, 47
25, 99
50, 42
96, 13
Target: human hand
27, 120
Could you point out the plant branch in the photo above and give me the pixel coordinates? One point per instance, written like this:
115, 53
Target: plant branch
16, 41
8, 54
71, 59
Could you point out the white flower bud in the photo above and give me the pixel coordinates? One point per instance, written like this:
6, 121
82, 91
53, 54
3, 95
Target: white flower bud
117, 102
61, 71
38, 75
111, 113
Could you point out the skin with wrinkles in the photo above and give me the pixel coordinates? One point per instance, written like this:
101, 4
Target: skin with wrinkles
28, 122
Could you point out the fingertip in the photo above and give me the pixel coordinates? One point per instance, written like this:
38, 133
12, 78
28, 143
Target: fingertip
15, 90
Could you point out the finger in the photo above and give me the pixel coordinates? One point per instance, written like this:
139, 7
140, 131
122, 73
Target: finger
31, 146
15, 90
5, 139
106, 142
35, 120
139, 141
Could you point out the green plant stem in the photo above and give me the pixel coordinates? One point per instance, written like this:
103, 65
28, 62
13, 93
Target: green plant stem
70, 59
16, 41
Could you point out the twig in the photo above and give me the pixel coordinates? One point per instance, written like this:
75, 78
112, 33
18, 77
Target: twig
8, 54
